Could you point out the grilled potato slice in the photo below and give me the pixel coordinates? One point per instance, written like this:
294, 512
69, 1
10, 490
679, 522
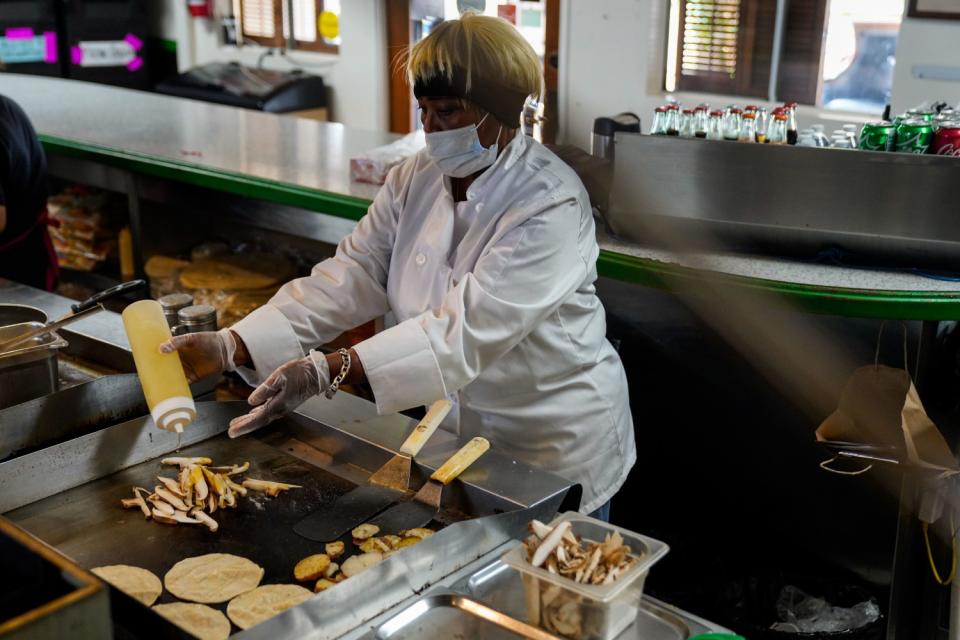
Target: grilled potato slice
355, 564
335, 549
311, 567
323, 584
365, 531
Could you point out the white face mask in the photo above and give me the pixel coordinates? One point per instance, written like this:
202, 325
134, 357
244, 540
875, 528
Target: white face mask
458, 152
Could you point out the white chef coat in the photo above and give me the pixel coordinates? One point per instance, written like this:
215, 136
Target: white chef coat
506, 322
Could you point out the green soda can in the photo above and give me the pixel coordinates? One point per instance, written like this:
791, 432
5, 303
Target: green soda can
914, 136
877, 136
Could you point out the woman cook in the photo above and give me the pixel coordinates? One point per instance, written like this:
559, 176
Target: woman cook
482, 247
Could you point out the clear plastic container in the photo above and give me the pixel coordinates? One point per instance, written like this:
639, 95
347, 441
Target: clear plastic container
584, 611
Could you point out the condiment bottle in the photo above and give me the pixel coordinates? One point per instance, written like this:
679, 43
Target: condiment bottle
161, 374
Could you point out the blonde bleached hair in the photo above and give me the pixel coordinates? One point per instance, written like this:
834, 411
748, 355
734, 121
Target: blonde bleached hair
481, 46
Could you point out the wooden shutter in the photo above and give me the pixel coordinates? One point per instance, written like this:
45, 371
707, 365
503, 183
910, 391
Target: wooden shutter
262, 22
800, 61
725, 46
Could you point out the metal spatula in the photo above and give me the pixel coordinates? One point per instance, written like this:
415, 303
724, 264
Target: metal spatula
425, 505
385, 487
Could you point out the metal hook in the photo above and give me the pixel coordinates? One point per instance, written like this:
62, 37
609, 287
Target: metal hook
876, 356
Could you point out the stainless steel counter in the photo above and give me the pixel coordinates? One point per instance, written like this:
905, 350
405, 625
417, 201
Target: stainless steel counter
286, 149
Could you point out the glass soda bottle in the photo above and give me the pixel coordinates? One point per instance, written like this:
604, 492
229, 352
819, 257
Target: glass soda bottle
732, 123
715, 125
791, 113
659, 126
777, 133
700, 121
673, 120
748, 129
687, 124
763, 123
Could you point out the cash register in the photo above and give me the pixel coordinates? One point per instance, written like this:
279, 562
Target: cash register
251, 88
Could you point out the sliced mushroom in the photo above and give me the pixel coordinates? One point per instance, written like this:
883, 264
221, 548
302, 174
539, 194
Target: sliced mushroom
198, 483
214, 482
236, 488
143, 503
162, 507
549, 544
539, 529
232, 470
176, 502
178, 517
129, 503
269, 487
172, 486
185, 462
204, 519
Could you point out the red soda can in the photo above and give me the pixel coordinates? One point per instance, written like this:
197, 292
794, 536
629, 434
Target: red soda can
946, 140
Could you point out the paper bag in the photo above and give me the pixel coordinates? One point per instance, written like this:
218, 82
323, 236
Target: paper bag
880, 405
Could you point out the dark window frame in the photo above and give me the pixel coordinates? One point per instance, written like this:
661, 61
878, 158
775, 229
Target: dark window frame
279, 42
800, 60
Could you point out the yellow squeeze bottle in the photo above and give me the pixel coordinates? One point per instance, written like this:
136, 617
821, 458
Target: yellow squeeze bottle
161, 374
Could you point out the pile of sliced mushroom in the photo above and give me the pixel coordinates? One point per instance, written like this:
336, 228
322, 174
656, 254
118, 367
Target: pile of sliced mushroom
560, 552
198, 489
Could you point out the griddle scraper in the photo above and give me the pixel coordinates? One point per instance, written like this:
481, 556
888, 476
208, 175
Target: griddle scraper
385, 487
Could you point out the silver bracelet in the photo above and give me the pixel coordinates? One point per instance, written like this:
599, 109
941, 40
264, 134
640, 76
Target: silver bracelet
340, 377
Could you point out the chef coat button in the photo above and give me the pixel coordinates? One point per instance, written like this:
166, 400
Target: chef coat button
479, 207
421, 259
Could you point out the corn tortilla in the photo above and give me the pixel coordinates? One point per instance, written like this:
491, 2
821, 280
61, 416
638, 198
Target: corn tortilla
261, 604
135, 582
212, 578
196, 619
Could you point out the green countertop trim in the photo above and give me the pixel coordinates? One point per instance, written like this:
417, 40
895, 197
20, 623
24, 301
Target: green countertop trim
239, 184
912, 305
855, 303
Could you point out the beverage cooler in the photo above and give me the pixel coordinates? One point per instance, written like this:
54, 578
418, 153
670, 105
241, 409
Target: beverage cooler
95, 40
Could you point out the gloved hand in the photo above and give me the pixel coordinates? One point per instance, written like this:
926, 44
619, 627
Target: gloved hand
203, 354
287, 388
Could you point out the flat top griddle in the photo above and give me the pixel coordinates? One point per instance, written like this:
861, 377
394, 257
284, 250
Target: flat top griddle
88, 524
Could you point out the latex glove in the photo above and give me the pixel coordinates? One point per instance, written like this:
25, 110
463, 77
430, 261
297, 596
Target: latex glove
203, 354
287, 388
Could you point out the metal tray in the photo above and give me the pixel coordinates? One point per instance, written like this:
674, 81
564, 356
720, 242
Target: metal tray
451, 615
501, 588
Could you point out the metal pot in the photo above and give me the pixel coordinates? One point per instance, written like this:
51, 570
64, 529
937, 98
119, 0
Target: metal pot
30, 370
16, 313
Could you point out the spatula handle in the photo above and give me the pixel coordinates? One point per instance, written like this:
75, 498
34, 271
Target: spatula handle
459, 461
415, 441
